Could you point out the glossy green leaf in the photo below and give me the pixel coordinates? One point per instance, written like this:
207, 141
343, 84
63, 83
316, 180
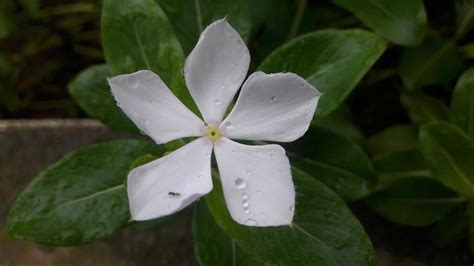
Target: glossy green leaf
414, 201
450, 228
333, 61
434, 62
402, 22
189, 18
407, 192
137, 35
462, 102
423, 108
394, 138
450, 155
91, 91
340, 123
80, 198
323, 232
393, 166
337, 162
212, 245
464, 10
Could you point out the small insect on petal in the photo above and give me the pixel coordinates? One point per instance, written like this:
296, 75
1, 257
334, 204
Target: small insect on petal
174, 194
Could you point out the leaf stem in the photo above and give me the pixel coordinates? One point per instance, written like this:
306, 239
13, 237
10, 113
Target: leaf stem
297, 19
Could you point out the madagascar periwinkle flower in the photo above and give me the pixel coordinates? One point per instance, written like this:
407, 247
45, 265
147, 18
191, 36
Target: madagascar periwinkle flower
256, 180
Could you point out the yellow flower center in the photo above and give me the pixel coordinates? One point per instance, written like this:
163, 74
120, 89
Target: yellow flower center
213, 132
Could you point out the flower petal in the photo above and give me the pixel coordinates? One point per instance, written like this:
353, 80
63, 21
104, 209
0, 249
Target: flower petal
215, 69
169, 184
148, 102
257, 183
275, 107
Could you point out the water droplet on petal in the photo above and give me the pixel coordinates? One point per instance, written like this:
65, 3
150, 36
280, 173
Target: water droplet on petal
240, 183
251, 222
288, 101
262, 213
259, 192
234, 151
292, 208
245, 196
217, 102
208, 155
247, 172
271, 155
228, 124
245, 203
200, 177
308, 104
273, 98
183, 71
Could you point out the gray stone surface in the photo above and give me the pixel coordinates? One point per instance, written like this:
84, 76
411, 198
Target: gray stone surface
26, 148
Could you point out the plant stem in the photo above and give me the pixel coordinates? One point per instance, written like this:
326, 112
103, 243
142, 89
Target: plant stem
297, 20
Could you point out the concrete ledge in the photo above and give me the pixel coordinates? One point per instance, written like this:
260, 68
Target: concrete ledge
27, 147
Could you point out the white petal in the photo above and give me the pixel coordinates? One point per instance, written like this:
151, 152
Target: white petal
274, 107
169, 184
148, 102
215, 69
257, 183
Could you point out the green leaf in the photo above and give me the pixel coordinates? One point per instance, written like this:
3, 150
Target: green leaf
212, 245
394, 138
414, 201
393, 166
464, 16
450, 155
434, 62
402, 22
407, 193
340, 122
462, 102
333, 61
91, 91
319, 154
423, 108
137, 35
189, 18
323, 232
80, 198
450, 228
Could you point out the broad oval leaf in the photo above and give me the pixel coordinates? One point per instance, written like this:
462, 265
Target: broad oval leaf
434, 62
80, 198
450, 155
394, 138
414, 201
319, 154
396, 165
189, 18
323, 232
462, 103
406, 191
212, 245
423, 108
137, 35
402, 21
464, 10
333, 61
90, 90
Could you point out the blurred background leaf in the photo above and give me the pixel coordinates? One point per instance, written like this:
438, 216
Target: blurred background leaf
402, 22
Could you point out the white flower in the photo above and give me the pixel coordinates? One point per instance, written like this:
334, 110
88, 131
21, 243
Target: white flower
256, 180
